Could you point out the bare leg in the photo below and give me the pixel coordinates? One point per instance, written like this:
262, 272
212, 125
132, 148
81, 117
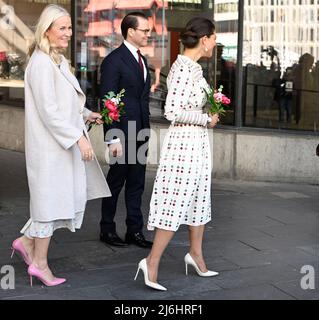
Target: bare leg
28, 245
40, 259
161, 240
196, 251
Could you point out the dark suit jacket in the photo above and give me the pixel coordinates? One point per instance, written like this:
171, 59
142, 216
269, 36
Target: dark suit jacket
121, 70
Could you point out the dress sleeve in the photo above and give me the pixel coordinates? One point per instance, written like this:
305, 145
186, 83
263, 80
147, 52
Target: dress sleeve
179, 90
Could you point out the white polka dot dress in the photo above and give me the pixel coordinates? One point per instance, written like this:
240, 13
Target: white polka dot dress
181, 192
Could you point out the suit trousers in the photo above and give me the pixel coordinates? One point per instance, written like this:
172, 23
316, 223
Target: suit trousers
133, 176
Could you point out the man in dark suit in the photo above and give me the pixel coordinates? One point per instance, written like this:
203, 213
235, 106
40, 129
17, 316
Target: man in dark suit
125, 68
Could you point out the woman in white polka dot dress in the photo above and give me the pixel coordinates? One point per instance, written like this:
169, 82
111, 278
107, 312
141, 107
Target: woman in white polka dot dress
181, 193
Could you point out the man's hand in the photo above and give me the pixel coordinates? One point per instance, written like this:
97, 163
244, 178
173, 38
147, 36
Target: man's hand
95, 117
116, 149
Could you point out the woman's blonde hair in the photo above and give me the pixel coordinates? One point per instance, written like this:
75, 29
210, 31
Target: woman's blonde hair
49, 15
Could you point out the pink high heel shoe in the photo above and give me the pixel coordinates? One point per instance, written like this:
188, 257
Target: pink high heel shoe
35, 272
18, 246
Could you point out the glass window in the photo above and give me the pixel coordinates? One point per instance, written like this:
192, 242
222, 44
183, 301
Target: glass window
225, 61
282, 71
98, 33
17, 21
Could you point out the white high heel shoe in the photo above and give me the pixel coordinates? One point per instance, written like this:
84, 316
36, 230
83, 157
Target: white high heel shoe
142, 265
189, 260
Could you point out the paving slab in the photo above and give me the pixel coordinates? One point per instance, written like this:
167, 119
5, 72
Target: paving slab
260, 237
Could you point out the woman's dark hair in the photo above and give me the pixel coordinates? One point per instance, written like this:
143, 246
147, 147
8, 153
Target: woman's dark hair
131, 21
195, 29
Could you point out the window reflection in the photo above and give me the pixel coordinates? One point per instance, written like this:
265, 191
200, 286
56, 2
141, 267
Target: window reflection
226, 17
281, 64
98, 33
17, 21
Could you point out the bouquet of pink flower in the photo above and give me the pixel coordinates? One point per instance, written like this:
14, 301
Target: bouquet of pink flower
217, 100
113, 107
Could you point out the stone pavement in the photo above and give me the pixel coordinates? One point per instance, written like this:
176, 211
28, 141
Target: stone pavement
260, 237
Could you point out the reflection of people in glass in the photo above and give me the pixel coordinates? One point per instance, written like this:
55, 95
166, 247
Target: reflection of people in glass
181, 193
303, 81
274, 59
315, 74
277, 85
62, 170
286, 96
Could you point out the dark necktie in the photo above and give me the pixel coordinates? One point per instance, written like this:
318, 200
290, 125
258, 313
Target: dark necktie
140, 62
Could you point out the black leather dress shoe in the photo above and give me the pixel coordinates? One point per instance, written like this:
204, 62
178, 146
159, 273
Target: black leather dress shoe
138, 239
113, 239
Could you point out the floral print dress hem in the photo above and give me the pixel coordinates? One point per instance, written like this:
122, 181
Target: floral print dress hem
36, 229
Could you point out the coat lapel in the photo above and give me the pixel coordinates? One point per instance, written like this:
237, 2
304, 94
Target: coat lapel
65, 70
131, 61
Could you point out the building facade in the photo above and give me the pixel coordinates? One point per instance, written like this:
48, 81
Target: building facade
267, 57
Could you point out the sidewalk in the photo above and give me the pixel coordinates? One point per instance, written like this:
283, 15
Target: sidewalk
260, 237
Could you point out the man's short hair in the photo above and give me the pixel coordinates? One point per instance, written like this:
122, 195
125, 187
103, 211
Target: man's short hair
131, 21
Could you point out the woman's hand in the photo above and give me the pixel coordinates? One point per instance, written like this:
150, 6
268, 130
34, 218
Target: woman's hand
215, 120
95, 117
85, 149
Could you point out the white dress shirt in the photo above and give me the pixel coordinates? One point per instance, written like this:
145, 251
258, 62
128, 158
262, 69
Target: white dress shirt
133, 50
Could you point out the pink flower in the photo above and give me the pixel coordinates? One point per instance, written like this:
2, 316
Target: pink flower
225, 100
218, 96
114, 115
110, 105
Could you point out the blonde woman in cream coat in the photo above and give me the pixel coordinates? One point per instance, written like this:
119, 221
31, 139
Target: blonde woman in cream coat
62, 170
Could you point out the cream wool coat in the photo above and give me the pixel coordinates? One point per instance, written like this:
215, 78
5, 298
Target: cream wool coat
60, 182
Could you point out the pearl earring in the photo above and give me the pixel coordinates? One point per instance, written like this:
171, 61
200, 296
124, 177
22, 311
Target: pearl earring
206, 49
